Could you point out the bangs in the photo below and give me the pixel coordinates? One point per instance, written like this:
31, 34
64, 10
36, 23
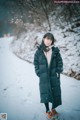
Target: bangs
49, 37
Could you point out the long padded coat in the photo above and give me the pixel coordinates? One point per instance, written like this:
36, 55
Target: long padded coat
49, 82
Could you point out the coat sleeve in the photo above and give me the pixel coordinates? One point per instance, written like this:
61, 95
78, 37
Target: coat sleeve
59, 68
36, 63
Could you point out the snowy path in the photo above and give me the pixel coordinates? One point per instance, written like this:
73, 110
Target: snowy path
19, 92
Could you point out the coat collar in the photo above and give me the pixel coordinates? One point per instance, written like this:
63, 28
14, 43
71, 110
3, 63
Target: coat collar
55, 50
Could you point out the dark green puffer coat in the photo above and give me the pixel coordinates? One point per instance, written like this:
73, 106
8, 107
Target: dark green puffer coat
49, 84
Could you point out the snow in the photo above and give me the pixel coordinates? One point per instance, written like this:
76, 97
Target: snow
19, 90
69, 45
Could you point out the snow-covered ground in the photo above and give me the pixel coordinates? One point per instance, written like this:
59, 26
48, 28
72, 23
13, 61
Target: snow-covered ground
19, 91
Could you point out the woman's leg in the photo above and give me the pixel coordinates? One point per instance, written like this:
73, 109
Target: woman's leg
54, 112
53, 105
48, 112
47, 106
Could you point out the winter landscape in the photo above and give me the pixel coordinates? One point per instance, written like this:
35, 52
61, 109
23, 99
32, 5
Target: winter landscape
19, 90
22, 26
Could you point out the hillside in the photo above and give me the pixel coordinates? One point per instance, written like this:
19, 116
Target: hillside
67, 39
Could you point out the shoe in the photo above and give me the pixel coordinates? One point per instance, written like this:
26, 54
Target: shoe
54, 112
49, 114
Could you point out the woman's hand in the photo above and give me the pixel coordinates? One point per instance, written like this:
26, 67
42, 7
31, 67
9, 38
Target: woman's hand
58, 75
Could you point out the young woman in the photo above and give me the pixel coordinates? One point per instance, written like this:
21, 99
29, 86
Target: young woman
48, 66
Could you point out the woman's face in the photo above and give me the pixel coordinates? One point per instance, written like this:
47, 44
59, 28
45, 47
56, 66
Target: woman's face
47, 41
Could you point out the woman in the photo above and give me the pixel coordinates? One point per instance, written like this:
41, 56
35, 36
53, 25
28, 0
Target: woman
48, 66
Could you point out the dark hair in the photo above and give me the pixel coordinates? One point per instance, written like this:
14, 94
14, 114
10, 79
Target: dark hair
49, 36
